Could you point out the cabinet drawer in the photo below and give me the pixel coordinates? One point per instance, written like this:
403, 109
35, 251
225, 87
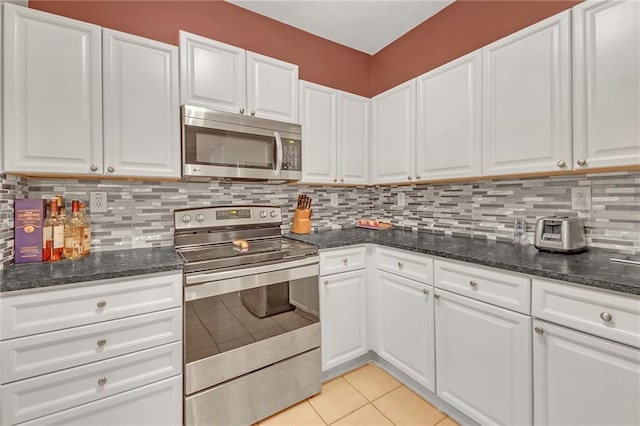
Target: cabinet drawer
157, 404
92, 302
511, 291
45, 353
406, 264
614, 316
342, 260
39, 396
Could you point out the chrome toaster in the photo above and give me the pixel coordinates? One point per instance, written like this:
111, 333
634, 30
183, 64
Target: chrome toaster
560, 234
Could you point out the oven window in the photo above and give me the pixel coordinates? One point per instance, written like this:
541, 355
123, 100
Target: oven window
229, 149
221, 323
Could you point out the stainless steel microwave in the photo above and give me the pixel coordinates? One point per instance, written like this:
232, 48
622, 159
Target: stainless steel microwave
221, 145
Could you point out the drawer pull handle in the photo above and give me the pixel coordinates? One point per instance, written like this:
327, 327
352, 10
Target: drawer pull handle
101, 304
437, 296
400, 265
101, 342
425, 291
345, 261
473, 284
102, 381
539, 330
326, 282
606, 316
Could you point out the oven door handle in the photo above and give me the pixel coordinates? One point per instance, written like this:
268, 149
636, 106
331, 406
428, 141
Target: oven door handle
279, 153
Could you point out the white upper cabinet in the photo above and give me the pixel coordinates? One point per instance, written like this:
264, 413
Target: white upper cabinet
449, 132
141, 109
353, 138
393, 136
219, 76
527, 100
318, 115
272, 88
52, 93
606, 75
335, 127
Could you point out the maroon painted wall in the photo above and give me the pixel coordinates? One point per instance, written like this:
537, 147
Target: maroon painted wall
319, 60
458, 29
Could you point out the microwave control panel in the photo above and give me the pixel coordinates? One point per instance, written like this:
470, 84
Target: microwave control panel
291, 154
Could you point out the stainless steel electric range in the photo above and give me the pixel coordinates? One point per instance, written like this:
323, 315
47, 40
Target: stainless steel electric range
251, 324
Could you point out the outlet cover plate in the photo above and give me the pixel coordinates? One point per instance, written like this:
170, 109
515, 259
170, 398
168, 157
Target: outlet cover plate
334, 199
581, 198
98, 202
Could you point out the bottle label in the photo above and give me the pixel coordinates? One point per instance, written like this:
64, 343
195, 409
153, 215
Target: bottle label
58, 237
47, 233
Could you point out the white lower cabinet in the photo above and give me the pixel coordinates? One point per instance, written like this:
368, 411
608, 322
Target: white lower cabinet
405, 327
580, 379
343, 312
483, 358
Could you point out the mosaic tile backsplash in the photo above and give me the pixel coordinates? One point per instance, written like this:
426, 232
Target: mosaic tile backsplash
140, 213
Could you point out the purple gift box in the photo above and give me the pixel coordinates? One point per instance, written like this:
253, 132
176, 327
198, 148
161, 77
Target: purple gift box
29, 217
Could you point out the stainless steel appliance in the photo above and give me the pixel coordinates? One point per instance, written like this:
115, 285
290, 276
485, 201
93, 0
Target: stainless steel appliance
560, 234
233, 146
251, 324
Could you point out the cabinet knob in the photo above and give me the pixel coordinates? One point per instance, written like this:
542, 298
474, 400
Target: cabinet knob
101, 342
417, 177
335, 179
409, 177
425, 291
606, 316
473, 284
341, 179
561, 163
436, 296
345, 260
253, 112
400, 265
539, 329
102, 381
94, 168
582, 162
241, 110
101, 304
325, 282
110, 169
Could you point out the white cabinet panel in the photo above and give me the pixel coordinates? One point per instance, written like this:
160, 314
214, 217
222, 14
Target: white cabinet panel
353, 138
527, 100
318, 115
583, 380
405, 335
52, 93
343, 259
606, 75
272, 88
212, 74
393, 135
141, 110
449, 132
414, 266
483, 356
343, 315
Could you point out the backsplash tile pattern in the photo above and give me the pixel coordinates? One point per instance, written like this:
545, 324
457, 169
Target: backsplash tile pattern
141, 213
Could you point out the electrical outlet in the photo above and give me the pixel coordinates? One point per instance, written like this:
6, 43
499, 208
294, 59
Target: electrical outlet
581, 198
334, 199
401, 202
98, 202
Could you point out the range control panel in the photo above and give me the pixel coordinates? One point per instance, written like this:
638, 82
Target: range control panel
214, 217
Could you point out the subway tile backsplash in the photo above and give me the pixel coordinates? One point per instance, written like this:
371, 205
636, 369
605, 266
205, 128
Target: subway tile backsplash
140, 214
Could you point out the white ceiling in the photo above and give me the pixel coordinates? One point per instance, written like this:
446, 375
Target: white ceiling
365, 25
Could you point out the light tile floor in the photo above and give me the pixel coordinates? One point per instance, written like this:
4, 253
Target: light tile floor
366, 396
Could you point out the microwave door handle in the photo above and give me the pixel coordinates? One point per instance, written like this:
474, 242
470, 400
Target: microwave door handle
279, 153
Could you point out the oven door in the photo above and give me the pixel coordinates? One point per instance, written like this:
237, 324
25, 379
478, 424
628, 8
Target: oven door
226, 337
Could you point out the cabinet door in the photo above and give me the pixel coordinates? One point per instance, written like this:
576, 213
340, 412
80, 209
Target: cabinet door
318, 106
343, 317
449, 120
526, 100
212, 74
353, 138
272, 88
483, 358
606, 72
583, 380
52, 93
405, 327
394, 134
141, 110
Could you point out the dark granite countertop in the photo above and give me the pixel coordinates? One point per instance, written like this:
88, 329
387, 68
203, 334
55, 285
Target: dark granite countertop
96, 266
592, 268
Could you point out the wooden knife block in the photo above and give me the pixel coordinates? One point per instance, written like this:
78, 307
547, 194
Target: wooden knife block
301, 221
